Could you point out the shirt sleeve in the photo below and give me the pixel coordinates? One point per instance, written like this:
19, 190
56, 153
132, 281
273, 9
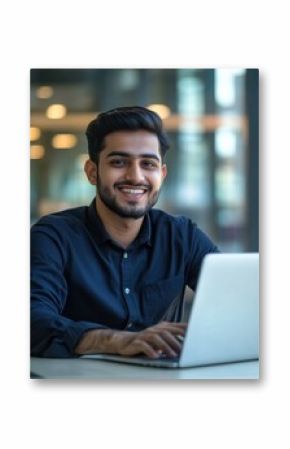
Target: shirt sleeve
52, 335
200, 246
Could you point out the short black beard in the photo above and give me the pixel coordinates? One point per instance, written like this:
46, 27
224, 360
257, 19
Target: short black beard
124, 212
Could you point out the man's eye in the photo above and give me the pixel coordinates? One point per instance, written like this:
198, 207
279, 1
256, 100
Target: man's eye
149, 164
117, 162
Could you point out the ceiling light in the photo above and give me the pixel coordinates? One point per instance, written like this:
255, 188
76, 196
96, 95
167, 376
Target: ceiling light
37, 151
64, 141
44, 92
35, 133
161, 109
56, 111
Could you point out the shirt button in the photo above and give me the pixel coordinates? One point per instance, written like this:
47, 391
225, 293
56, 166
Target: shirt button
127, 291
125, 255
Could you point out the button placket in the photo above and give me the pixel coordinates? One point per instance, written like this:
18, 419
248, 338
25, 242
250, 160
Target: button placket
126, 289
127, 282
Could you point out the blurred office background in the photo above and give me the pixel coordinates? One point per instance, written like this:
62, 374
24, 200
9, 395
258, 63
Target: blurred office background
211, 118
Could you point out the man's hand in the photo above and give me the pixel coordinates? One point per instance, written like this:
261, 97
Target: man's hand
163, 338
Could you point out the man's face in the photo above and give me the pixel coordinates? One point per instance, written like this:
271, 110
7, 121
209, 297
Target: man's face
130, 172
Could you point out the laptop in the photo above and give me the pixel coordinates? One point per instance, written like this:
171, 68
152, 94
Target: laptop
223, 325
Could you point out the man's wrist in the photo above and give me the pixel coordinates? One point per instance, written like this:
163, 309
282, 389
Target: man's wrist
99, 341
94, 341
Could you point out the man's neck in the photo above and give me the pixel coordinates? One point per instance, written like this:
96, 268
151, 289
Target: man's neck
122, 230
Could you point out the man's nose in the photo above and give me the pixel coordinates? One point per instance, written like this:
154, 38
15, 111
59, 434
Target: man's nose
135, 173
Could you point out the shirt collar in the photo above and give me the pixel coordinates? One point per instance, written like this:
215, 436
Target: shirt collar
144, 236
101, 235
96, 225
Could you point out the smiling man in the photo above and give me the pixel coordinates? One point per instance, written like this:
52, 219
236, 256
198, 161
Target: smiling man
109, 278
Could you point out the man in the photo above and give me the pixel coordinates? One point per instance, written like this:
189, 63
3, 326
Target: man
109, 278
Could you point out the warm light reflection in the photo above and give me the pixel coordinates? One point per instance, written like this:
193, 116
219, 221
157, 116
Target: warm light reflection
64, 141
37, 151
161, 109
44, 92
35, 133
56, 111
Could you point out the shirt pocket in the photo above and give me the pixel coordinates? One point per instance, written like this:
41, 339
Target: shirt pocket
160, 300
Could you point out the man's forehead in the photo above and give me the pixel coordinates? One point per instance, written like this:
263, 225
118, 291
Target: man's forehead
134, 143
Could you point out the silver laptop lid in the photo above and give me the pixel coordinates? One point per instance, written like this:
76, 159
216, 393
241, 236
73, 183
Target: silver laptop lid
224, 320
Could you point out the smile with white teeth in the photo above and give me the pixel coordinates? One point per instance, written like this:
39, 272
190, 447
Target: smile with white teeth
132, 191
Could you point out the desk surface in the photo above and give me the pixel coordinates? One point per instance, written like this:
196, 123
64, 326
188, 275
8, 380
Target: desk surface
100, 370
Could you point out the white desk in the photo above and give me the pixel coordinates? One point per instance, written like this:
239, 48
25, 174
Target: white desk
100, 370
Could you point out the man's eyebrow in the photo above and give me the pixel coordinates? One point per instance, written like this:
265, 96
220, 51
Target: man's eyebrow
125, 154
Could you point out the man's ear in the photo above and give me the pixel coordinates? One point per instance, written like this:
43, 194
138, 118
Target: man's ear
91, 171
164, 171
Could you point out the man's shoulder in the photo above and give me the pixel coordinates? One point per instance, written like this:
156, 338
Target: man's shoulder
185, 233
160, 217
72, 218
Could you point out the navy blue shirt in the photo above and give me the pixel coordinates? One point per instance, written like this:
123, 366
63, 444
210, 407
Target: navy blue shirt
81, 279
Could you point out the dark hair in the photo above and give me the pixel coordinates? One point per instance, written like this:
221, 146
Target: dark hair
124, 118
